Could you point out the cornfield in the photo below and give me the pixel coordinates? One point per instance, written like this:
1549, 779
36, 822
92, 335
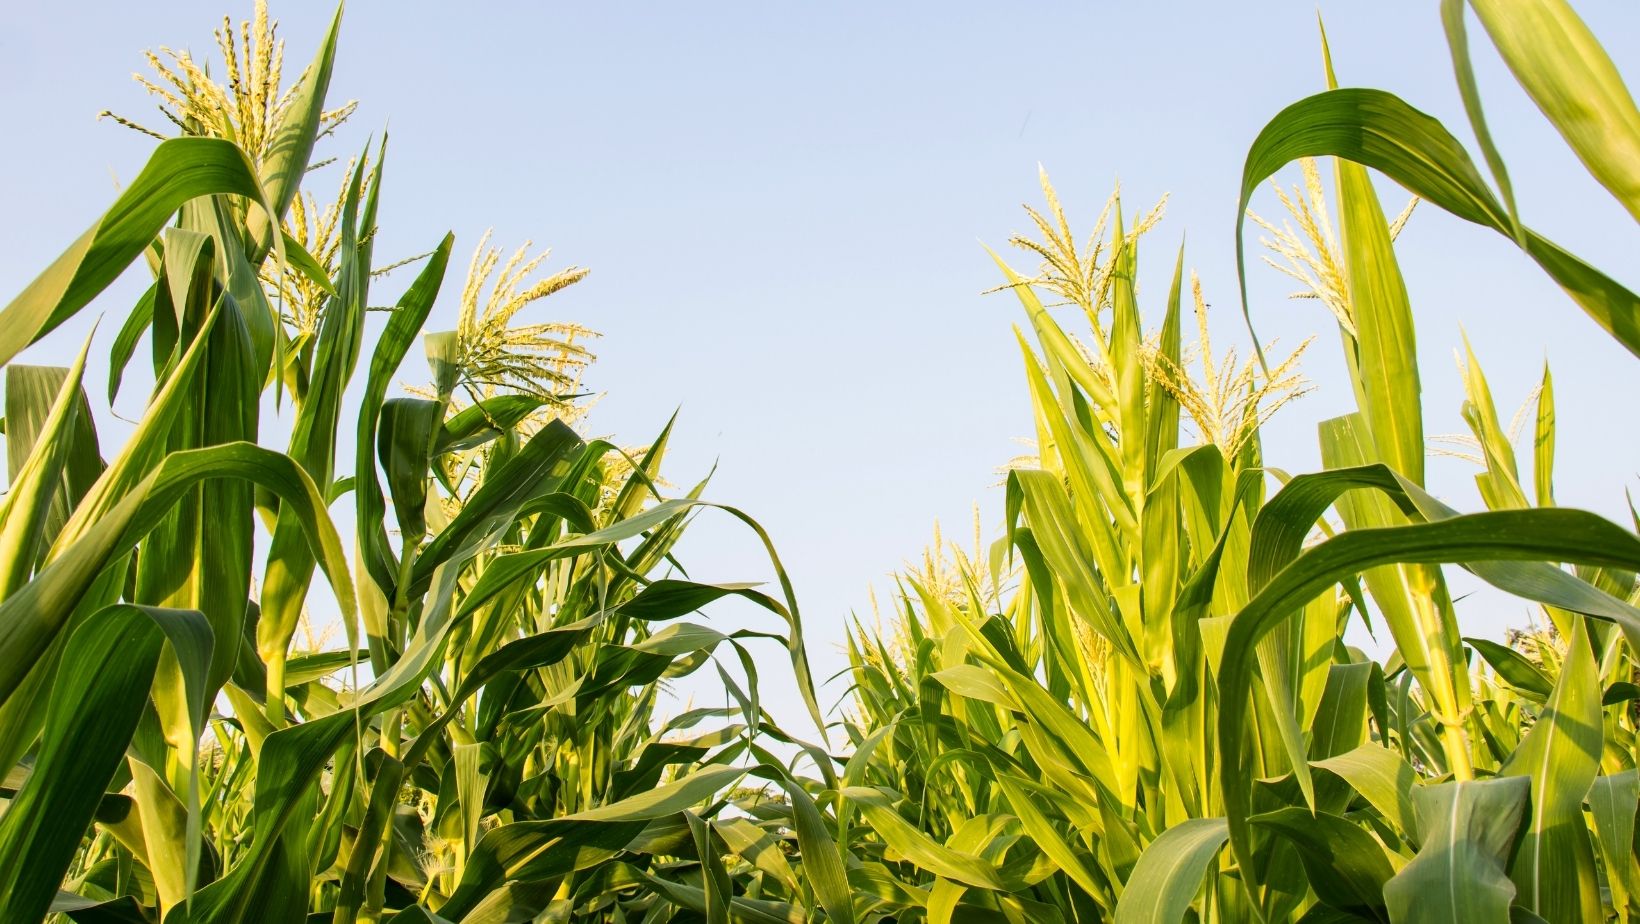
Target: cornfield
1136, 705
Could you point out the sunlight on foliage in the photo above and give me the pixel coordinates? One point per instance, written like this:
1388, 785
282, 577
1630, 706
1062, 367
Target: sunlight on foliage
414, 656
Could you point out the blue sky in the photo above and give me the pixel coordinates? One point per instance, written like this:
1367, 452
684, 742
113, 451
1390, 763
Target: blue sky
782, 206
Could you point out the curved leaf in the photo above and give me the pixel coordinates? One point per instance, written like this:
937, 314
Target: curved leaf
1170, 872
395, 340
1494, 537
1345, 865
101, 690
1378, 130
180, 169
31, 618
1457, 876
1513, 667
1383, 779
1564, 70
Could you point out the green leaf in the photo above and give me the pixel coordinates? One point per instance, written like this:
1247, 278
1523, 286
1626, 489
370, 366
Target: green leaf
1493, 538
403, 325
1543, 443
1452, 19
404, 441
823, 864
81, 910
534, 850
1612, 802
1554, 861
107, 669
1341, 720
1378, 130
534, 651
34, 616
313, 435
47, 440
498, 499
476, 425
125, 342
179, 170
1513, 667
975, 682
307, 264
1564, 70
1346, 866
917, 847
1282, 524
511, 903
748, 910
290, 144
1458, 875
1387, 352
669, 598
200, 556
1383, 778
1170, 872
1055, 343
53, 450
1043, 832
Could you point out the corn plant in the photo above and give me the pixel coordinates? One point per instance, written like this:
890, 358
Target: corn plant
1559, 765
1137, 705
487, 744
1150, 664
1046, 708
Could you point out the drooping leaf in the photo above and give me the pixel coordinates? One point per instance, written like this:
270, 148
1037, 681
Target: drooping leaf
1378, 130
179, 170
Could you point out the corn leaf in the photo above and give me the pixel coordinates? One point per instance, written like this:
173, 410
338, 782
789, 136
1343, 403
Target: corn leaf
1553, 866
101, 690
1345, 865
1170, 871
1458, 875
1377, 130
179, 170
1568, 74
1613, 800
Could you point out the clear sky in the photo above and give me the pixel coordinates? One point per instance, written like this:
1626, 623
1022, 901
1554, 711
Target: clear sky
783, 204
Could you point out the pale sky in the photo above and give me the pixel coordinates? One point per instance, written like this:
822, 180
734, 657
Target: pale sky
783, 205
